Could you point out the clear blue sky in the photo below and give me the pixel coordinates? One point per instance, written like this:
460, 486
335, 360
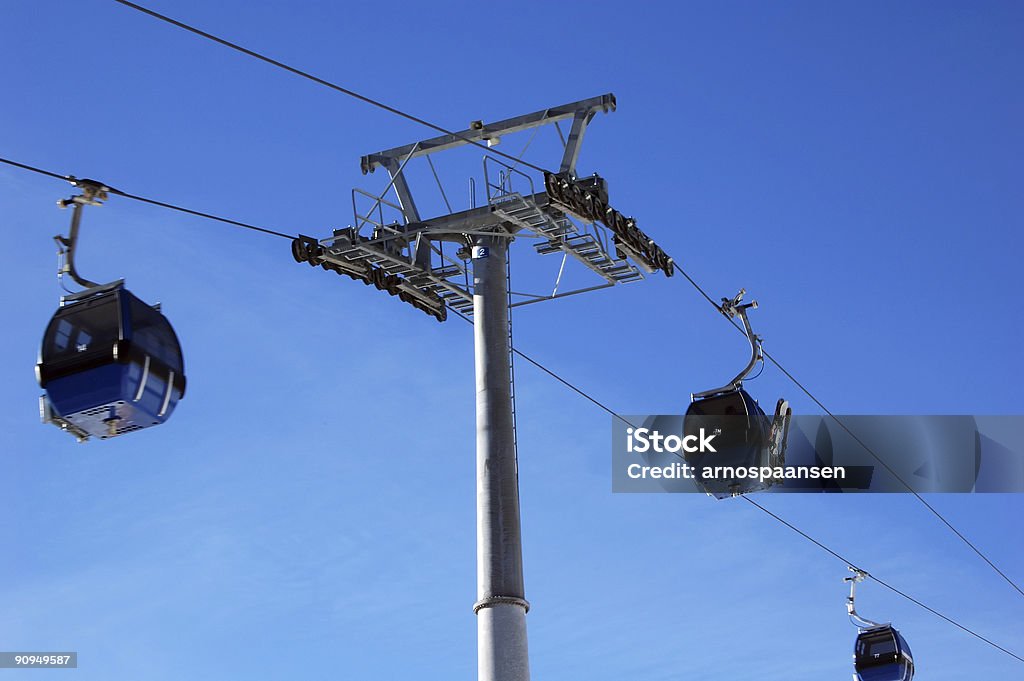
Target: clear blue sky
308, 511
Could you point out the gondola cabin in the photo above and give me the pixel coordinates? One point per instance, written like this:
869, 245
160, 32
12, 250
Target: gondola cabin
110, 364
742, 440
882, 654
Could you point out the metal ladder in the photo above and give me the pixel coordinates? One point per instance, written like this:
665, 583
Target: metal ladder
512, 361
563, 237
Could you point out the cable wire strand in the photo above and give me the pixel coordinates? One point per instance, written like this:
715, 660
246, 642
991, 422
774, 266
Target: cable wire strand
321, 81
882, 582
152, 202
555, 376
916, 494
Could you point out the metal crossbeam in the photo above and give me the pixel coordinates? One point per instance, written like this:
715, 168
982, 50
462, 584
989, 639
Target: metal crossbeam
483, 132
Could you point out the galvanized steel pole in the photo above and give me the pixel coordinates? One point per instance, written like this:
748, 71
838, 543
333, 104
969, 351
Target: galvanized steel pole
501, 604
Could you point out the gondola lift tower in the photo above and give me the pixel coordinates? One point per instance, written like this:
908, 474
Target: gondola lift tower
392, 247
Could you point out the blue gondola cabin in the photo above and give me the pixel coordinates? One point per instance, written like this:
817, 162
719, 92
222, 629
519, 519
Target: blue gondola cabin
110, 364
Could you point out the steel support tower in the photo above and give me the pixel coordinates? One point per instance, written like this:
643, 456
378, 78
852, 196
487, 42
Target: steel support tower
393, 248
501, 604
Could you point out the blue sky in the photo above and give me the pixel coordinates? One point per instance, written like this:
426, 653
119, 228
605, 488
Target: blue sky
309, 509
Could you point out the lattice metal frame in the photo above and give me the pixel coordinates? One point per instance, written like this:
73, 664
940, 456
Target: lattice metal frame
391, 246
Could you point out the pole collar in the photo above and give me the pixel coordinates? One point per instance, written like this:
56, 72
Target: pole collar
500, 600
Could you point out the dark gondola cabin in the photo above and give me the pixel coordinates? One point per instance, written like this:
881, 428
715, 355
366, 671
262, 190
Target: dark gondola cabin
110, 364
742, 440
882, 654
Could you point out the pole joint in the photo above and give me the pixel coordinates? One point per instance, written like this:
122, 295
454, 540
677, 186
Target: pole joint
491, 601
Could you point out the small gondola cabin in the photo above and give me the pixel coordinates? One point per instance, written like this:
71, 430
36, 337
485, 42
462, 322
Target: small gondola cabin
742, 441
882, 654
